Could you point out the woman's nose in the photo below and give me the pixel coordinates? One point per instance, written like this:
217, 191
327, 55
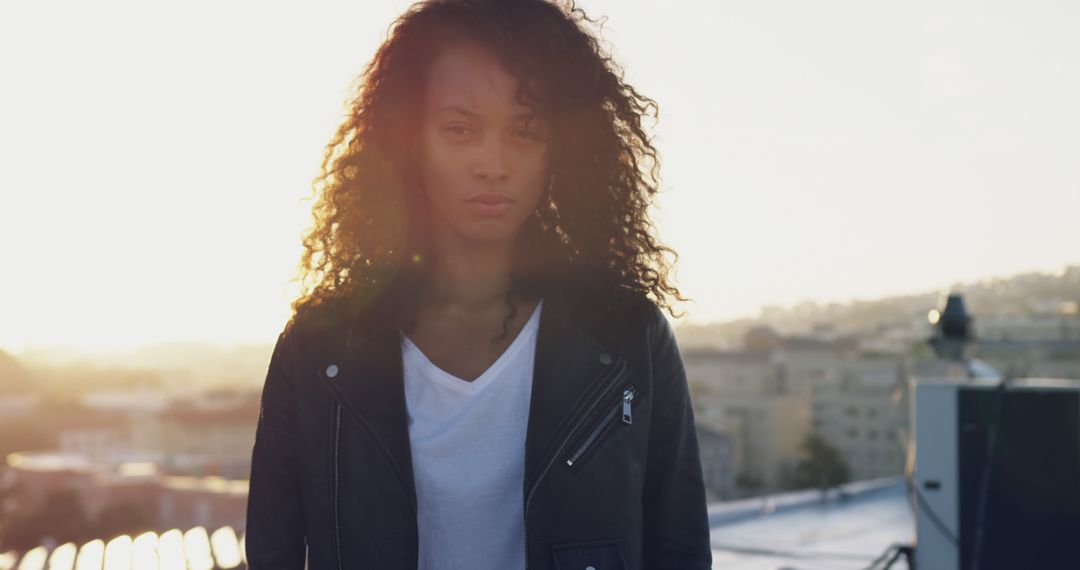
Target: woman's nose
491, 164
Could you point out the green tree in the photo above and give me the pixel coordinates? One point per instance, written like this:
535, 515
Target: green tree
821, 465
61, 515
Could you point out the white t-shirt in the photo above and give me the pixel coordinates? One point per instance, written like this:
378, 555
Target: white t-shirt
468, 454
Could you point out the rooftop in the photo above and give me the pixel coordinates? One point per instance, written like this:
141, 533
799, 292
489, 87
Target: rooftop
800, 531
791, 531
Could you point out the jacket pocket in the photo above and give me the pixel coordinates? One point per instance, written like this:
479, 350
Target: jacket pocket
600, 554
617, 414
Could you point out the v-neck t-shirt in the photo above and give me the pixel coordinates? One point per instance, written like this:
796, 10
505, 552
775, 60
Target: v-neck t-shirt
468, 456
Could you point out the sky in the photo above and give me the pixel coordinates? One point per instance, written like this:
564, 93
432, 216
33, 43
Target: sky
156, 158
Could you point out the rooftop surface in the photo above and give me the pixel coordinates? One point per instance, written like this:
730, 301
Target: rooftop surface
799, 531
790, 531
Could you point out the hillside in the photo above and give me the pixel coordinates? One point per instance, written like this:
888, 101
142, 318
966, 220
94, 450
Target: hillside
13, 377
1023, 294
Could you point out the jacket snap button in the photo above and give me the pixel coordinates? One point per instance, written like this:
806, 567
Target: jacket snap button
590, 568
604, 359
331, 370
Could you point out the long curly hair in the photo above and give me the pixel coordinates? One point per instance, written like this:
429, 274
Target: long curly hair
368, 249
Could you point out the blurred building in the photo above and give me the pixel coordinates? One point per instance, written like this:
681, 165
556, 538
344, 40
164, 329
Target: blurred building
198, 438
1032, 358
775, 390
105, 482
717, 452
1063, 325
864, 414
127, 460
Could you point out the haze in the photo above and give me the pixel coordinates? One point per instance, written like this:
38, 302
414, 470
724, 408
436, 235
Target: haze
154, 158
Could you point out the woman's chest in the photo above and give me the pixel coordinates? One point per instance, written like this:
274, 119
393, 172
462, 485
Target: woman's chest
466, 347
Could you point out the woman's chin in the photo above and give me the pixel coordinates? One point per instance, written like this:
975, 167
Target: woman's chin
488, 231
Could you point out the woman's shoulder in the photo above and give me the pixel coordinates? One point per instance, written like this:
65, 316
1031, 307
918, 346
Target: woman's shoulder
324, 324
613, 314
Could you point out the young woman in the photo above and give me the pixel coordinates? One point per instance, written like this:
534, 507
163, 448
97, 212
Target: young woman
478, 377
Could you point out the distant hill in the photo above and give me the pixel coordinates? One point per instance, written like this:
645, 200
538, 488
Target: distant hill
13, 377
191, 365
1024, 294
174, 366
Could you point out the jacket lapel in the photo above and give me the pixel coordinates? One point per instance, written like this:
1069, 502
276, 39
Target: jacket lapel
569, 364
368, 379
369, 383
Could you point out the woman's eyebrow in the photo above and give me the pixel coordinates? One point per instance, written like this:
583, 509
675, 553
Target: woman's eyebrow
453, 107
459, 109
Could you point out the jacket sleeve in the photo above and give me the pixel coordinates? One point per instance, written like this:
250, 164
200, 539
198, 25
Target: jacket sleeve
274, 536
676, 521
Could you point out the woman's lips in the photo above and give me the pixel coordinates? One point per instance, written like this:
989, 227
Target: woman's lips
484, 208
490, 197
489, 204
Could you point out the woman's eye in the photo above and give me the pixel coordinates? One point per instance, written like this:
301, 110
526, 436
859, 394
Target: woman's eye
458, 130
529, 134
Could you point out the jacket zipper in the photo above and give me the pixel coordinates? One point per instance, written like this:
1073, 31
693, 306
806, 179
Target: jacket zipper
551, 461
337, 520
628, 397
340, 398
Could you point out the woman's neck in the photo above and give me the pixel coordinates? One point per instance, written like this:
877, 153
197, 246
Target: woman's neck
468, 273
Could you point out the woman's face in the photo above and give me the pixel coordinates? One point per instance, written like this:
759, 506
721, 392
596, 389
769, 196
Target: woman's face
474, 140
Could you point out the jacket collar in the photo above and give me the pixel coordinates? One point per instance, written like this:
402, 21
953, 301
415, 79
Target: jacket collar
574, 352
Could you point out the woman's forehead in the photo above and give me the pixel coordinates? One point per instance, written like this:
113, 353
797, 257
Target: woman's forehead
469, 79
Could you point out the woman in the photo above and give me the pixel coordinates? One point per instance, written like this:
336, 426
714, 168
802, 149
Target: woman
492, 177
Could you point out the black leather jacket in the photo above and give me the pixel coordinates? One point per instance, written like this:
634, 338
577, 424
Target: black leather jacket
613, 477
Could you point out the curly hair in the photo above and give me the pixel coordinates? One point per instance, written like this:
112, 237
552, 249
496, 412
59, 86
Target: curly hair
368, 248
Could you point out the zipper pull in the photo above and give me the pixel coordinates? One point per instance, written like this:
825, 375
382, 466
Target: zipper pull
628, 396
